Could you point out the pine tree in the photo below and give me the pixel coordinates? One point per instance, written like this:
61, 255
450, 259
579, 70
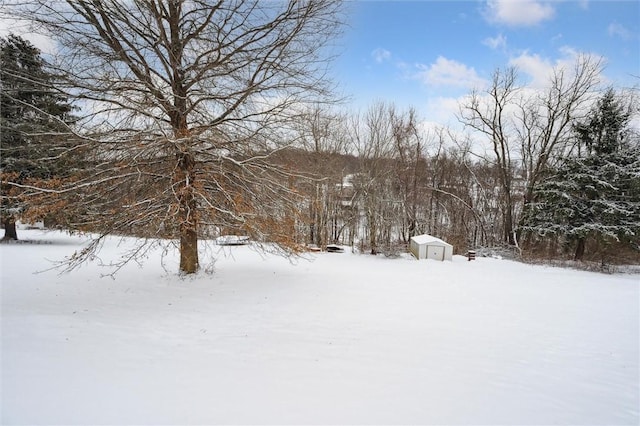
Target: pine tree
595, 194
32, 113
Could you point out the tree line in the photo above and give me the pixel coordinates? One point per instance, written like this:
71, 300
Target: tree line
381, 180
182, 121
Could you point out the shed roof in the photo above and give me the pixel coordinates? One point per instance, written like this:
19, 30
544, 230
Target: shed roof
430, 240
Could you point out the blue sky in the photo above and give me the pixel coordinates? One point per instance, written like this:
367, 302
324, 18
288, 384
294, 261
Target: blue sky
428, 53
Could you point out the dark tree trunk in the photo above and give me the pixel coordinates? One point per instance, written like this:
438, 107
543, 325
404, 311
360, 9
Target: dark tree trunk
187, 215
10, 232
188, 250
579, 250
373, 230
185, 174
509, 237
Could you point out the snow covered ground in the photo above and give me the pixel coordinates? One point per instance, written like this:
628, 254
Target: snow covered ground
343, 338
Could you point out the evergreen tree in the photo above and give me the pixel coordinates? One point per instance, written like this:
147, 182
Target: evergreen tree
595, 194
32, 114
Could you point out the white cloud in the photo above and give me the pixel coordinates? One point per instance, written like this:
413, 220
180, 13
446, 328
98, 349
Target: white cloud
584, 4
519, 12
556, 38
44, 43
447, 72
619, 30
540, 69
442, 110
495, 43
381, 55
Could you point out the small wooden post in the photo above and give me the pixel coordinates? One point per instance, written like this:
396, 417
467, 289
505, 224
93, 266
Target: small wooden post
471, 255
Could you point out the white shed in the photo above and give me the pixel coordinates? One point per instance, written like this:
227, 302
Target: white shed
430, 247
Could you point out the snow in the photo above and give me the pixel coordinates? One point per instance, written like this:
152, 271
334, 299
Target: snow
232, 240
429, 239
332, 339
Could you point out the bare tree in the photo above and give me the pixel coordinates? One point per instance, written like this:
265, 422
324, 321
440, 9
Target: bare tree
372, 137
320, 137
491, 116
187, 101
528, 130
545, 121
409, 145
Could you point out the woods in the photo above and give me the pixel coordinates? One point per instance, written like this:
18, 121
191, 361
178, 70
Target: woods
192, 120
184, 103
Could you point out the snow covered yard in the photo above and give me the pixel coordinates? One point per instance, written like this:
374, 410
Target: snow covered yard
343, 339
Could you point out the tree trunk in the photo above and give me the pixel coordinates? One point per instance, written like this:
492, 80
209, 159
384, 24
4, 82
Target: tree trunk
10, 232
188, 250
508, 228
187, 215
508, 206
373, 230
579, 249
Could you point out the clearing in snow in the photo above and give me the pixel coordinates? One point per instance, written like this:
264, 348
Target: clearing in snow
335, 338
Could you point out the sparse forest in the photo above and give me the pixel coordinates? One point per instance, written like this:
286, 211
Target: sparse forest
192, 120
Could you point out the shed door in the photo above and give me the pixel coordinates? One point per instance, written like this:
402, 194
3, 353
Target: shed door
435, 252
